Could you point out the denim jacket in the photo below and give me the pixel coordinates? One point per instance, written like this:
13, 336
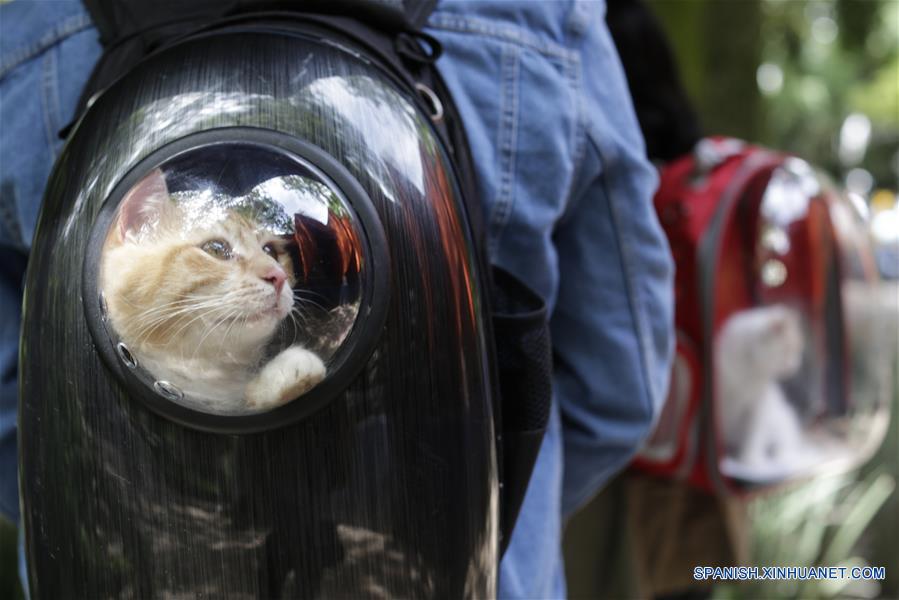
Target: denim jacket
47, 51
567, 194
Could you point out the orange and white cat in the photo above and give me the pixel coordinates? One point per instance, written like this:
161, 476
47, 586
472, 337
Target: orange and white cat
196, 291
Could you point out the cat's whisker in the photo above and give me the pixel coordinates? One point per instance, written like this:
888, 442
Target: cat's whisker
308, 302
296, 327
214, 326
169, 312
175, 335
208, 308
303, 319
182, 299
148, 328
227, 333
308, 291
205, 305
151, 325
163, 311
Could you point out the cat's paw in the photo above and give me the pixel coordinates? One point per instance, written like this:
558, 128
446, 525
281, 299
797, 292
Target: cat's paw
288, 375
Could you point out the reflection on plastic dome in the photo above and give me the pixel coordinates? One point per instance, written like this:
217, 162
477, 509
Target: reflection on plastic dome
230, 277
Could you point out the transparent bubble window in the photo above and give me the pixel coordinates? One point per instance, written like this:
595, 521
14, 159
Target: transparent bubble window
230, 278
799, 379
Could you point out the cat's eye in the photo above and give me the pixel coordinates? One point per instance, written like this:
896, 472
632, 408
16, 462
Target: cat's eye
218, 248
271, 249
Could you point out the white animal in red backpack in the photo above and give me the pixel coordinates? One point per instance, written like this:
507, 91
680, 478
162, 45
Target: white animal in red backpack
756, 349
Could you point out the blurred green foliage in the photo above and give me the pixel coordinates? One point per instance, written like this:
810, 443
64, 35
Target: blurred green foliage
787, 73
820, 523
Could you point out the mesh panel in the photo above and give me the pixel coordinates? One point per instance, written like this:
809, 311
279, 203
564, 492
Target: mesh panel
524, 355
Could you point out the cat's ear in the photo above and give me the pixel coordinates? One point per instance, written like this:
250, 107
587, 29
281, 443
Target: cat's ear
145, 204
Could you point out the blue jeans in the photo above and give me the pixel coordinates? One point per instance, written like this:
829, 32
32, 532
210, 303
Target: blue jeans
47, 50
568, 207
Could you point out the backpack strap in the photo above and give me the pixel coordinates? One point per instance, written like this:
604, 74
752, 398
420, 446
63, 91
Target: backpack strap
130, 30
120, 19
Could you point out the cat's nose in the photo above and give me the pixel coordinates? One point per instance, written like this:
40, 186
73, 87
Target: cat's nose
276, 277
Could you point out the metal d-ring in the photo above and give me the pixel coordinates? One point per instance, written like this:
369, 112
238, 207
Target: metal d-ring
434, 103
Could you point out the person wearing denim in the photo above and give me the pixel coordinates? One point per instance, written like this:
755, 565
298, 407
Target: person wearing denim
567, 194
47, 50
567, 197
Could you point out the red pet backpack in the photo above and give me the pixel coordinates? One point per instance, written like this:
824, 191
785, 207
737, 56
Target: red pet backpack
783, 362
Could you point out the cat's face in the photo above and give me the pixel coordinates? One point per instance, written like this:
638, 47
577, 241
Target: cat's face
217, 285
765, 342
780, 342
